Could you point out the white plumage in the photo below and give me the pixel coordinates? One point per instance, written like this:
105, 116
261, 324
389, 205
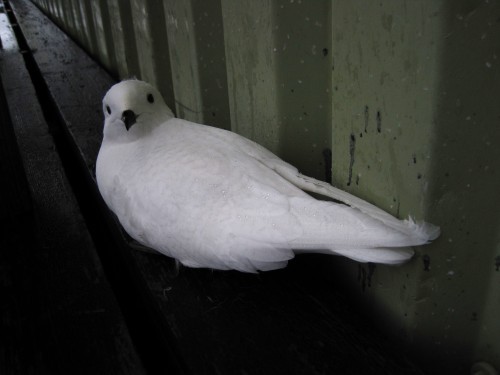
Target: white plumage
212, 198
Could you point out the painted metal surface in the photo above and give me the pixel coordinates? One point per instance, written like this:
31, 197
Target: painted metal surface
416, 127
403, 93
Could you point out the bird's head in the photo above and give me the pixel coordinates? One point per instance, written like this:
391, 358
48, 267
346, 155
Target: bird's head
131, 108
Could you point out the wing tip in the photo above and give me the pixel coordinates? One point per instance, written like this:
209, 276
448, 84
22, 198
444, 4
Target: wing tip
378, 255
423, 230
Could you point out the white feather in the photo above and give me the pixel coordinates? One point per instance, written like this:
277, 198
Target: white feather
211, 198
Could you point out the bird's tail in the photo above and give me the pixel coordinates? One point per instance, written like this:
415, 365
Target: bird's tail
416, 234
422, 232
378, 255
335, 229
390, 240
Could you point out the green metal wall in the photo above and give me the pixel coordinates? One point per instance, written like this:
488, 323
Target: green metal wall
406, 94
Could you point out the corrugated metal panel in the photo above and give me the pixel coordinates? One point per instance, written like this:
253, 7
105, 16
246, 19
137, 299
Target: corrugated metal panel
404, 93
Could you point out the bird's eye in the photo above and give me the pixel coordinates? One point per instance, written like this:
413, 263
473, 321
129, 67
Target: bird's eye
151, 98
108, 109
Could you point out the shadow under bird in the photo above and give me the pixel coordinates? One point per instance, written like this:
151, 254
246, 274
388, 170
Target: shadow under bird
211, 198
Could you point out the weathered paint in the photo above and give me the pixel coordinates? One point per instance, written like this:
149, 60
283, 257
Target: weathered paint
196, 46
123, 35
152, 46
416, 85
252, 82
104, 37
278, 68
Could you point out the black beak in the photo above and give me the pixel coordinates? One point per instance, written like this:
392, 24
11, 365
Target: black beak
129, 118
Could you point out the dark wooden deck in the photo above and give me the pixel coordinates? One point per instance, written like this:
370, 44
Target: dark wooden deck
59, 314
77, 299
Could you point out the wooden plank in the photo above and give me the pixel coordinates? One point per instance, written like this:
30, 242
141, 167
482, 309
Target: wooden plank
287, 321
59, 314
15, 204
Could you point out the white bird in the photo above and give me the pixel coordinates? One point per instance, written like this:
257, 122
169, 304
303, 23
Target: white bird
211, 198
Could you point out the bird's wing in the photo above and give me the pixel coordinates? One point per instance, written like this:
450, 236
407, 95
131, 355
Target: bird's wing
421, 231
425, 231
